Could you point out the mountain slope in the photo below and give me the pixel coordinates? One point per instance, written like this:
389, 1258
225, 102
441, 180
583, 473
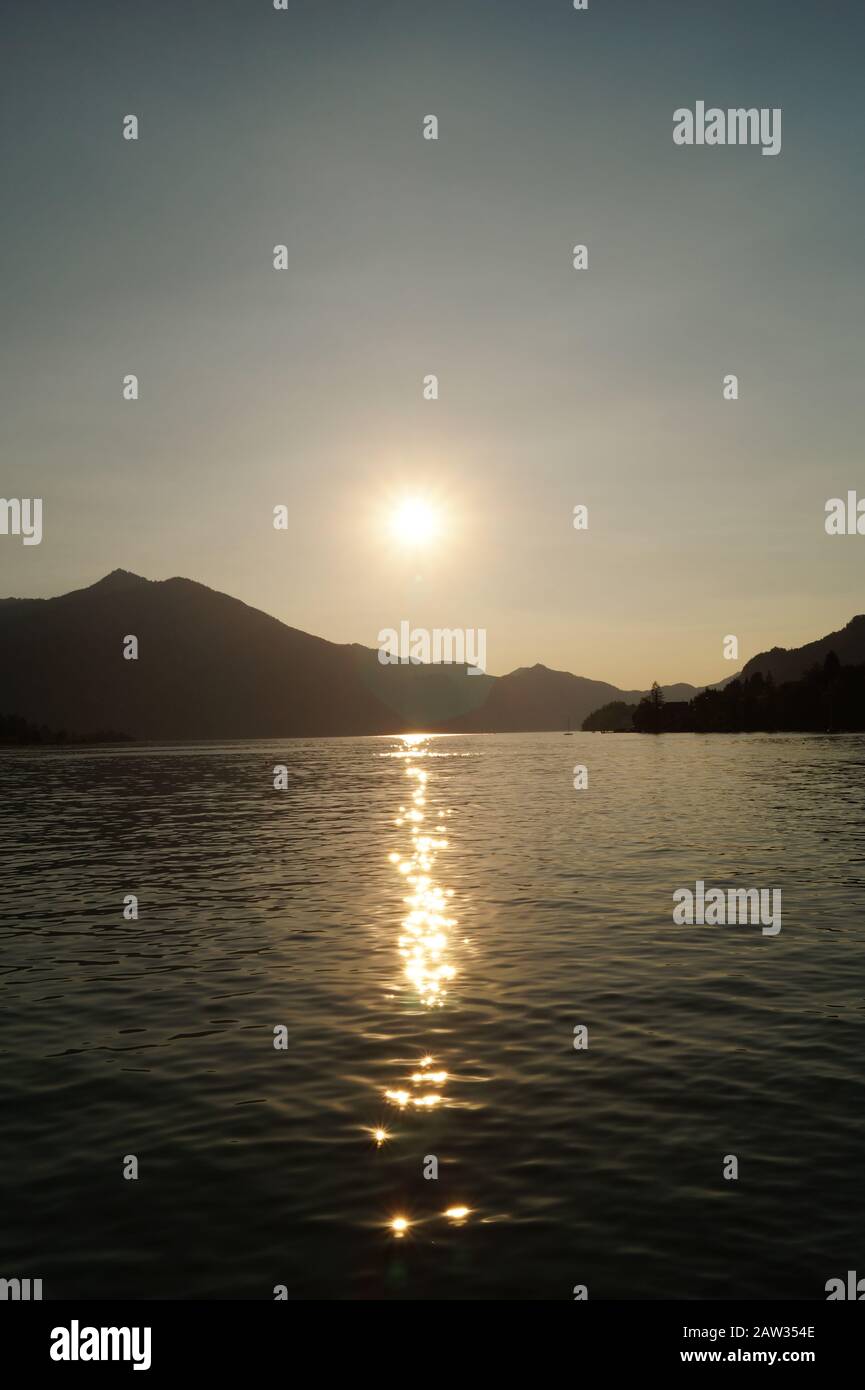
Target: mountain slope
209, 666
786, 665
536, 698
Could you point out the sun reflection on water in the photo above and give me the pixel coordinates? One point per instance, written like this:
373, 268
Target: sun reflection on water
425, 939
425, 944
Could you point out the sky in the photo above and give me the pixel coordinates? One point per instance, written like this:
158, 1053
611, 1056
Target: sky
303, 387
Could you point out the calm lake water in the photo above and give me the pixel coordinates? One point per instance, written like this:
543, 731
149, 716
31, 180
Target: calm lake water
429, 974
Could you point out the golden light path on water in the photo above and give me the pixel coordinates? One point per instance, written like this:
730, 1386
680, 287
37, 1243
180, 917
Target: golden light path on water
425, 943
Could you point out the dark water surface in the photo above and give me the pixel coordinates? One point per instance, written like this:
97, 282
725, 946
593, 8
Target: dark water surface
547, 908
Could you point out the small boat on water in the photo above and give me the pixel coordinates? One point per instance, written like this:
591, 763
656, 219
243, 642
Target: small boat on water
568, 730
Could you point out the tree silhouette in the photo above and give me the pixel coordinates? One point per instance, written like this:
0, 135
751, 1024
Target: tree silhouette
830, 697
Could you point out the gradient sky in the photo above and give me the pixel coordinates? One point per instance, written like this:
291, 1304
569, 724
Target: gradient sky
408, 257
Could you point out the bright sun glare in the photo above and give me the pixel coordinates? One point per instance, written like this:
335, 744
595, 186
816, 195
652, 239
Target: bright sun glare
415, 522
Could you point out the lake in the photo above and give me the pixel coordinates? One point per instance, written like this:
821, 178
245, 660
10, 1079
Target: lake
403, 938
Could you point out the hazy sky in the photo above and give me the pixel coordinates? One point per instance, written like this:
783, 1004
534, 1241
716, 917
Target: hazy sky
408, 257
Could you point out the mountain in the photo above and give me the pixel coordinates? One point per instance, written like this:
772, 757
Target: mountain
787, 665
210, 666
536, 698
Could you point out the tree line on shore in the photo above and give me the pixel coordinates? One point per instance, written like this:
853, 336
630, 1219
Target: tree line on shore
829, 697
20, 732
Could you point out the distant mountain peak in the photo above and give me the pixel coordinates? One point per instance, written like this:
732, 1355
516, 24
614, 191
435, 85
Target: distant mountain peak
538, 669
119, 579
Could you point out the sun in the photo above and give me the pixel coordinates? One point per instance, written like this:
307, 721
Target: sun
415, 522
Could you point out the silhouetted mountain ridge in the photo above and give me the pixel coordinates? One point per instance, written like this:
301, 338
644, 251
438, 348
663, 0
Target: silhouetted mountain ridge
211, 666
848, 645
